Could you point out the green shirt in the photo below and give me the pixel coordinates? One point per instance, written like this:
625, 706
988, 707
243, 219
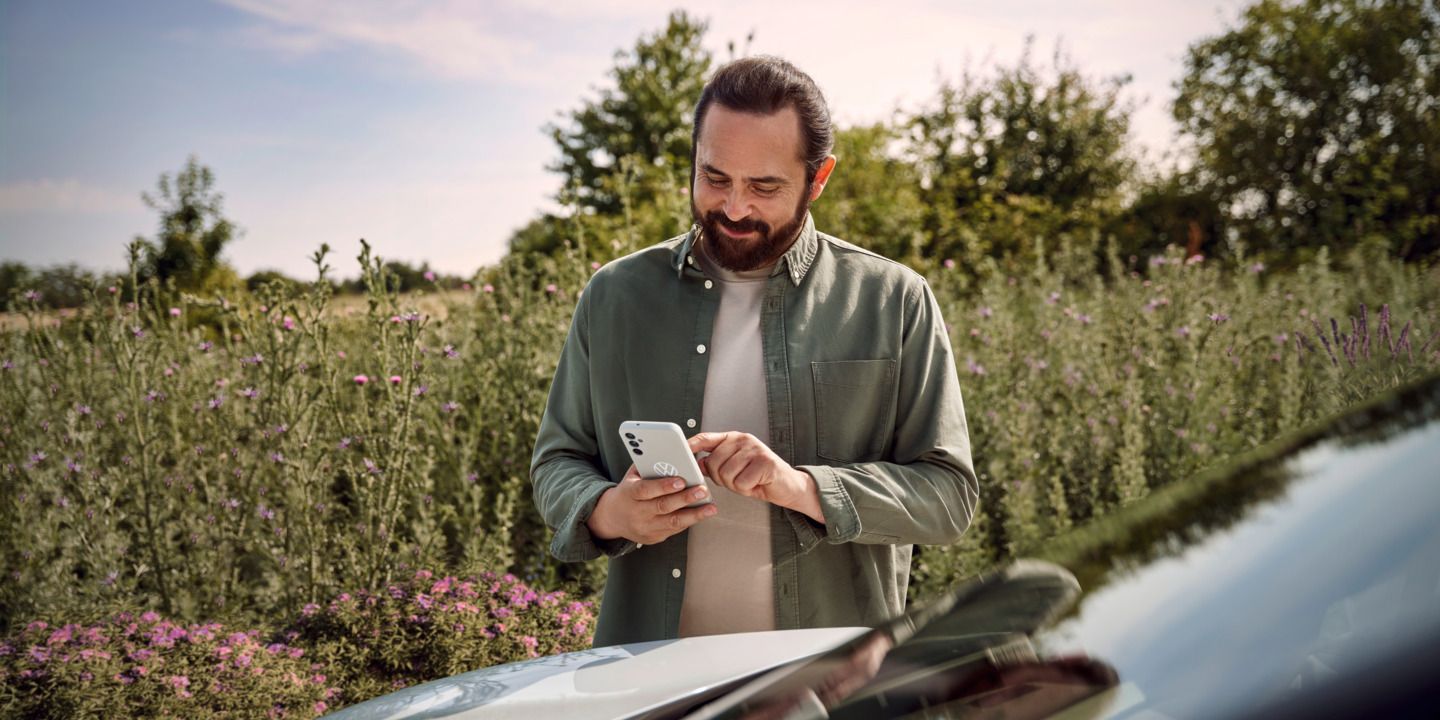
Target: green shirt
862, 394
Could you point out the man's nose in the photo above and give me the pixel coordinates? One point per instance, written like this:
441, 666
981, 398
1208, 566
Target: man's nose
736, 206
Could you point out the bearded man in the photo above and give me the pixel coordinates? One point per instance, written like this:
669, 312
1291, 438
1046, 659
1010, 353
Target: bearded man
816, 374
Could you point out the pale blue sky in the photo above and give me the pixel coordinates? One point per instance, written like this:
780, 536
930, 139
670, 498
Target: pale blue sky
417, 125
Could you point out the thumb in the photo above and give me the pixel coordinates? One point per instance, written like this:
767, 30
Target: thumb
706, 442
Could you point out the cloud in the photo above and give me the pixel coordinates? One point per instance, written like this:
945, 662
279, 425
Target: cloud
456, 40
67, 196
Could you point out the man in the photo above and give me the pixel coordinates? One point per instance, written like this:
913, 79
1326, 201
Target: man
817, 375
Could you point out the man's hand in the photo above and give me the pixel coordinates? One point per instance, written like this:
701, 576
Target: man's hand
647, 511
742, 464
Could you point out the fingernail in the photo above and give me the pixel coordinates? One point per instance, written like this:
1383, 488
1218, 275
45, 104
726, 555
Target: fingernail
678, 484
710, 510
699, 494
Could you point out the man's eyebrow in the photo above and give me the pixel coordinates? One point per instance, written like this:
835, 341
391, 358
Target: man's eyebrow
766, 180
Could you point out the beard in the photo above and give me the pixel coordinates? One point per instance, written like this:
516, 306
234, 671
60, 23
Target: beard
741, 255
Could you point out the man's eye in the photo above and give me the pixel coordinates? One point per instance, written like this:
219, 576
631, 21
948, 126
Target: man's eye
716, 182
766, 191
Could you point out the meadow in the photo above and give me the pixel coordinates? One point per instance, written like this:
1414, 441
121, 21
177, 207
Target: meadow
340, 487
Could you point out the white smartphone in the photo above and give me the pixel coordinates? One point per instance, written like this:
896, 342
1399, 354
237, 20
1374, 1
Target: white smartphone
659, 449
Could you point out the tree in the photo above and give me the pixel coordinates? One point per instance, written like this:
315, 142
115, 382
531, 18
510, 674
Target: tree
646, 116
873, 199
1315, 123
193, 232
1020, 157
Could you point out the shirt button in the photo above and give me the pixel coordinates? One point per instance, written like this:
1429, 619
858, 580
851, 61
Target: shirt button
709, 284
700, 349
690, 423
689, 259
675, 573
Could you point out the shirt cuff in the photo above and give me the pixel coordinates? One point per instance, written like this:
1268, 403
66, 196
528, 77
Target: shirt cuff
573, 541
842, 522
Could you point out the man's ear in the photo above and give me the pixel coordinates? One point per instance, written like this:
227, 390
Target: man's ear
822, 176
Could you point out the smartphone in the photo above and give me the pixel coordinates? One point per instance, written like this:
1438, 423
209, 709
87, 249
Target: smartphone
659, 449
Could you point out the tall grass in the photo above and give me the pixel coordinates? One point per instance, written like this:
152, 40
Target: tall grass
241, 459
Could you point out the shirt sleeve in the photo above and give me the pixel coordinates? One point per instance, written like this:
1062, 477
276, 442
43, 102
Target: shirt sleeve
565, 472
926, 492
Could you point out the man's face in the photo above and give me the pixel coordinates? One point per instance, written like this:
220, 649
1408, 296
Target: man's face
750, 194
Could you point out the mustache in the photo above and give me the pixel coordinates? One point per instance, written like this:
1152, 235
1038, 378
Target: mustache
737, 226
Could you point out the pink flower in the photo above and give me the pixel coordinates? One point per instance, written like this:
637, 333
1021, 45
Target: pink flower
552, 288
467, 287
488, 288
429, 276
395, 379
361, 379
174, 312
949, 264
288, 323
594, 266
112, 289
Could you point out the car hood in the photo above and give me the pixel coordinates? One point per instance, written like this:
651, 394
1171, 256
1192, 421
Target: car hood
604, 682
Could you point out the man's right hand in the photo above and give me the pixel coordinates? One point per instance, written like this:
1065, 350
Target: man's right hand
647, 511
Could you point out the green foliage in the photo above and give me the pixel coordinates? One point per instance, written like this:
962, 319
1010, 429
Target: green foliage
61, 286
358, 646
873, 199
425, 628
193, 232
1315, 123
1019, 159
645, 117
1087, 392
146, 666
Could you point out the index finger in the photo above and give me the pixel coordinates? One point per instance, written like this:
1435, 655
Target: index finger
707, 441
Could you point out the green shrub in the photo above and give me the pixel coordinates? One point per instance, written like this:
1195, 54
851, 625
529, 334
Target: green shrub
147, 666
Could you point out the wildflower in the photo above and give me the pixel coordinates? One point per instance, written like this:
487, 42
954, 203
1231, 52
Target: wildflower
137, 331
250, 392
949, 264
255, 359
552, 288
986, 311
277, 457
1218, 318
32, 296
112, 289
1257, 268
345, 443
974, 367
450, 352
361, 379
38, 457
216, 402
420, 391
231, 504
1157, 261
1085, 319
430, 276
7, 365
1194, 259
174, 312
82, 409
395, 379
1183, 331
450, 406
1053, 298
488, 288
287, 323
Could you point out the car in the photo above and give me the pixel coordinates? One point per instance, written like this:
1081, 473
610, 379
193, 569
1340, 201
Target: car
1303, 580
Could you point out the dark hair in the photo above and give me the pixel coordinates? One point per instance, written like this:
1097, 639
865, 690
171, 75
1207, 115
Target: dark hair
765, 85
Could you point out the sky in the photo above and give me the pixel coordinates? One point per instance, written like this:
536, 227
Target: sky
420, 125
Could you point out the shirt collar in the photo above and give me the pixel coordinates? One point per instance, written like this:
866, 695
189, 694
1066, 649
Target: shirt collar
796, 261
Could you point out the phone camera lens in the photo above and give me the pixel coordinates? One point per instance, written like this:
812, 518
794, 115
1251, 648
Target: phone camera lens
638, 451
630, 436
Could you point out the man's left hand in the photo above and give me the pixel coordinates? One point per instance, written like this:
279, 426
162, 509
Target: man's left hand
742, 464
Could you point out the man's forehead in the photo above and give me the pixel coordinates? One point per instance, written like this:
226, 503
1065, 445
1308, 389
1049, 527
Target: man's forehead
750, 144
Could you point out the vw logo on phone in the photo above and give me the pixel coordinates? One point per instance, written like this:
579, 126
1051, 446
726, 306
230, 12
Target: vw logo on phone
665, 469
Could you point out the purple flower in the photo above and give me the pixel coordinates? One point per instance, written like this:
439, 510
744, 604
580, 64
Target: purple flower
277, 457
345, 443
450, 352
266, 512
419, 391
430, 276
82, 409
38, 457
250, 392
216, 402
255, 359
1257, 268
1218, 318
137, 331
450, 407
1183, 331
32, 296
205, 346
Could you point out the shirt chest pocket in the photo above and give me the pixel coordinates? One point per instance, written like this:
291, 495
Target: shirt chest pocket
854, 408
